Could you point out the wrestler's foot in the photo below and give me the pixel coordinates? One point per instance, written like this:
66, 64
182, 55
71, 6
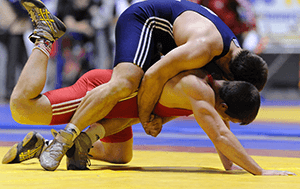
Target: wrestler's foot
77, 156
46, 25
31, 147
51, 157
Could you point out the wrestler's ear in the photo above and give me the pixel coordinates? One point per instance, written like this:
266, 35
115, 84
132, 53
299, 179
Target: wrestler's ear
224, 106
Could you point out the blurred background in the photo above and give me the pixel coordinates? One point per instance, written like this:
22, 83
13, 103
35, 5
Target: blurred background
270, 28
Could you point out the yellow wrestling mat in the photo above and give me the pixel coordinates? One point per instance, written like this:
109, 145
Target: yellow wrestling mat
279, 114
151, 169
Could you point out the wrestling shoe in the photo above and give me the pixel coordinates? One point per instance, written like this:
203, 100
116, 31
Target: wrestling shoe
77, 156
31, 147
45, 24
51, 157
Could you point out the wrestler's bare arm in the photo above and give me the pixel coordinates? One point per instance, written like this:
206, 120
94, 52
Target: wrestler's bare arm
227, 164
202, 102
225, 141
198, 43
222, 137
182, 58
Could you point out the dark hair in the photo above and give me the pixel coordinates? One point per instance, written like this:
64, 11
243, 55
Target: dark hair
242, 99
247, 66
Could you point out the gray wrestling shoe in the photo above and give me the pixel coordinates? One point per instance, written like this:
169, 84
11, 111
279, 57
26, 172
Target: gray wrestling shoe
51, 157
45, 24
77, 156
31, 147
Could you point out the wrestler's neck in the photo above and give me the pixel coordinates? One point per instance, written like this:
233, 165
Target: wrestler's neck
214, 84
225, 61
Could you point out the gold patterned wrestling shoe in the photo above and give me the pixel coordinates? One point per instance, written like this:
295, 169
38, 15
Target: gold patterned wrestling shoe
31, 147
45, 24
77, 156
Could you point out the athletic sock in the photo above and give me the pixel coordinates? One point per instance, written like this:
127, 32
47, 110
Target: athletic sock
48, 142
95, 132
43, 45
71, 128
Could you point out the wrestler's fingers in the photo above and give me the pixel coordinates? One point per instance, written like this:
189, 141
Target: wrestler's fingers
152, 117
146, 129
154, 133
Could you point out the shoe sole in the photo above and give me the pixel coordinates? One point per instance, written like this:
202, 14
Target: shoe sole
10, 155
13, 151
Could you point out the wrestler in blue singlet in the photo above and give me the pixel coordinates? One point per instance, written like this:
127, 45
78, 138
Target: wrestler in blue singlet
145, 30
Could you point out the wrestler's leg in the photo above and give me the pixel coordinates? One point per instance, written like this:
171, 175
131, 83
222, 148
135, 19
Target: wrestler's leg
115, 145
130, 62
116, 152
95, 106
100, 101
114, 148
120, 152
26, 103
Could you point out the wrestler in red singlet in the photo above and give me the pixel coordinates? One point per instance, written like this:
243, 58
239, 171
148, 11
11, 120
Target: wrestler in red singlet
65, 101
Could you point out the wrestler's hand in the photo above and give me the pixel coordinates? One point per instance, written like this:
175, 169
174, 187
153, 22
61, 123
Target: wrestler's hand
154, 126
275, 172
235, 167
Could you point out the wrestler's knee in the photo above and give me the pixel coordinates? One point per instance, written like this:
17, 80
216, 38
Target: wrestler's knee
123, 87
114, 152
122, 153
112, 155
16, 105
30, 111
17, 108
122, 158
125, 79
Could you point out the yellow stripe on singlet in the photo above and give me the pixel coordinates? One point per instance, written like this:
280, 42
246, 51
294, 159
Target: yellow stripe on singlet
129, 97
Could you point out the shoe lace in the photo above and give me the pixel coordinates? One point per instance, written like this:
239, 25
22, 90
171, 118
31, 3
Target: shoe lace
87, 160
42, 15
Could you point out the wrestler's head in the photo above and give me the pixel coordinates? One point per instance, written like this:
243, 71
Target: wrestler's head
247, 66
240, 101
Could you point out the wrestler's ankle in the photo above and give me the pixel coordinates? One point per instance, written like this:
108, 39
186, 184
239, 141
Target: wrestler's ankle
95, 132
44, 45
71, 128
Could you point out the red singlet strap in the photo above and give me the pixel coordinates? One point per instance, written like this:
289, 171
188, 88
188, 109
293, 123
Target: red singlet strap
210, 78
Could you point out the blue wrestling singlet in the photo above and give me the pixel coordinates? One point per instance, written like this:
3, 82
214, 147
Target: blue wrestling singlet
145, 30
